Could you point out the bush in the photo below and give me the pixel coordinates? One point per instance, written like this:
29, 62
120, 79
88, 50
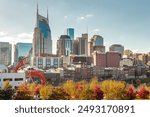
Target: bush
113, 90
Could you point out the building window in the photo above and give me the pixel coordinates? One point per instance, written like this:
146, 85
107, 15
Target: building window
7, 79
18, 79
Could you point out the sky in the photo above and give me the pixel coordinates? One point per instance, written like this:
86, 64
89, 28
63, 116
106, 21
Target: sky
125, 22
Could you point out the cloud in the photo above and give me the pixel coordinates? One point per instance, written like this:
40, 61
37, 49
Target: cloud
21, 37
65, 17
25, 35
138, 51
3, 34
89, 15
81, 18
96, 30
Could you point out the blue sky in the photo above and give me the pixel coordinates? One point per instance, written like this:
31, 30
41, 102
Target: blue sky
125, 22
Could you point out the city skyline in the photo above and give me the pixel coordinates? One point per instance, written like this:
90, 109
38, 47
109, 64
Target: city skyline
119, 22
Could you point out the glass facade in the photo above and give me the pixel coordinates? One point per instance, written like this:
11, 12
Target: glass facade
23, 49
43, 25
5, 53
70, 32
98, 41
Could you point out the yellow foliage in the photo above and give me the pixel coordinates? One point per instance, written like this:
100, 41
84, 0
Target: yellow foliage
45, 92
6, 85
69, 87
113, 90
94, 82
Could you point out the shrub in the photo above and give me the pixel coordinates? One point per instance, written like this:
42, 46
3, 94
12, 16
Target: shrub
113, 90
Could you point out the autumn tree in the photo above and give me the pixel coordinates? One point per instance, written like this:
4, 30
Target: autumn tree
45, 92
69, 88
58, 93
143, 92
6, 85
113, 90
23, 92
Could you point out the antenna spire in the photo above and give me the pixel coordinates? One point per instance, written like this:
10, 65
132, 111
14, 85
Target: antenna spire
47, 14
37, 8
37, 13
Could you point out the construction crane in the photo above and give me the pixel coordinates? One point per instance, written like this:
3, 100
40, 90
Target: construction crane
31, 73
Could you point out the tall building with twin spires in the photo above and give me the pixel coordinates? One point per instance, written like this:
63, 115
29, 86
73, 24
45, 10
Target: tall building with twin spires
42, 56
42, 42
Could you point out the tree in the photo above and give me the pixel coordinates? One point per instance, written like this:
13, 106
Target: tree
87, 94
23, 93
94, 83
58, 93
143, 93
69, 88
113, 90
6, 85
7, 92
130, 93
98, 93
45, 92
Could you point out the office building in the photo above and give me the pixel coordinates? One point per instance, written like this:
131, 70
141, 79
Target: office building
83, 44
117, 48
96, 44
128, 53
42, 42
5, 53
70, 33
64, 45
108, 59
47, 62
21, 50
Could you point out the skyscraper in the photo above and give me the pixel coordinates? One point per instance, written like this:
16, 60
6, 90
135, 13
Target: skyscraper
42, 42
80, 45
70, 32
5, 53
96, 44
117, 48
64, 45
83, 44
21, 50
